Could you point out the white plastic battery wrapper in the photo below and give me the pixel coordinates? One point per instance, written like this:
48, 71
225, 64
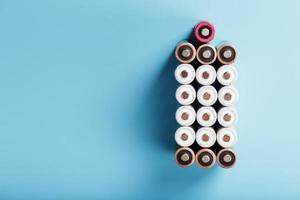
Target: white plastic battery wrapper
206, 116
207, 95
185, 94
227, 137
206, 137
227, 75
206, 74
185, 73
227, 116
185, 115
228, 96
185, 136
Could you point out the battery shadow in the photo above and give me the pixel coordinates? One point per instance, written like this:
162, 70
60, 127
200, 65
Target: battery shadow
163, 105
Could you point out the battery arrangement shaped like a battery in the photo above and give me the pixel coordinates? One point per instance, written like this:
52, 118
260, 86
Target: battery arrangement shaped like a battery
207, 97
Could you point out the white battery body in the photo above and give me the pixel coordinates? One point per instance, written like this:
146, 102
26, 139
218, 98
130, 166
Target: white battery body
227, 116
185, 94
227, 75
185, 115
206, 116
185, 136
227, 137
206, 137
207, 95
185, 73
206, 74
228, 96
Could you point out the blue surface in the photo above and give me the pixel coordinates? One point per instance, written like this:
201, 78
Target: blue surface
87, 99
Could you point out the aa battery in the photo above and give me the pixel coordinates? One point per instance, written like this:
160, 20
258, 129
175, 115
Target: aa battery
185, 52
185, 115
207, 95
206, 54
227, 137
206, 74
185, 136
205, 158
184, 157
226, 158
227, 54
228, 96
206, 137
206, 116
185, 73
227, 116
227, 75
204, 32
185, 94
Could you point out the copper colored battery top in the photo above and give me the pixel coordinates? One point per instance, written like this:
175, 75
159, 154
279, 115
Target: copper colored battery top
185, 52
184, 157
206, 54
227, 54
226, 158
205, 158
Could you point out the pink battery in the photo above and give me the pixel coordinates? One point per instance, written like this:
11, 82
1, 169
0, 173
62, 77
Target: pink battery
204, 32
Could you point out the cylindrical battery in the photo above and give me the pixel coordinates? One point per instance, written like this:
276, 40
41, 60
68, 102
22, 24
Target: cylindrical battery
227, 75
227, 54
184, 157
185, 73
227, 137
185, 52
185, 94
185, 115
226, 158
228, 96
206, 116
206, 137
207, 95
204, 32
227, 116
185, 136
205, 158
206, 74
206, 54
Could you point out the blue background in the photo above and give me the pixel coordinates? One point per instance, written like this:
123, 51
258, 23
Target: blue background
87, 99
